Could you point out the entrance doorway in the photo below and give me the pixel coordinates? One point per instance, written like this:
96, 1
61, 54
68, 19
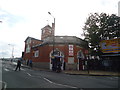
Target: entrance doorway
81, 58
57, 53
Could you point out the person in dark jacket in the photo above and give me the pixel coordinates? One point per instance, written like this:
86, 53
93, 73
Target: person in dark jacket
27, 62
58, 64
30, 62
18, 65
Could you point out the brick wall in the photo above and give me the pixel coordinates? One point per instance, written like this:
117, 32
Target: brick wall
41, 65
46, 32
45, 50
32, 43
43, 59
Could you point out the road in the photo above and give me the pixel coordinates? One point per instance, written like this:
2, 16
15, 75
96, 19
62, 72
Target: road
28, 78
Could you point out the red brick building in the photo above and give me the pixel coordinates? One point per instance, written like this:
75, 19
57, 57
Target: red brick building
71, 50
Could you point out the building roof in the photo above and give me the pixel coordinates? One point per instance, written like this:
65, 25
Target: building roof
47, 26
64, 40
32, 39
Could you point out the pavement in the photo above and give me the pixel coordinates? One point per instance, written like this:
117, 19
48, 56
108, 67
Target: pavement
91, 72
76, 72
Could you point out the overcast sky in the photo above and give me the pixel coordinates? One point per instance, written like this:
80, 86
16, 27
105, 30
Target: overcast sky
23, 18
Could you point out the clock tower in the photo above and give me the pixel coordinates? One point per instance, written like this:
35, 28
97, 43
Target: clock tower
47, 31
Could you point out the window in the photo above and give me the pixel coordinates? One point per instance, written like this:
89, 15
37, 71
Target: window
29, 40
80, 55
70, 60
43, 31
28, 49
36, 54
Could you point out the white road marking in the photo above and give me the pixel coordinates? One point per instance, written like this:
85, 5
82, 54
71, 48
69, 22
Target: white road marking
48, 80
6, 69
22, 69
112, 78
58, 83
29, 74
116, 77
65, 85
15, 63
53, 82
5, 85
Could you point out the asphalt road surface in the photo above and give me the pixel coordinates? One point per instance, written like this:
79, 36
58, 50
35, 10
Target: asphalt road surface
28, 78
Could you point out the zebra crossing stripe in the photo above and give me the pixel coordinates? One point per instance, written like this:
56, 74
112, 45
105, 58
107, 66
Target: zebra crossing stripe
6, 69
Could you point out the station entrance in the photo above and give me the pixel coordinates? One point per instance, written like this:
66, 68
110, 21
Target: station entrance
56, 60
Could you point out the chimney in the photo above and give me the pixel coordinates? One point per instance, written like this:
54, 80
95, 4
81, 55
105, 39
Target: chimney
53, 28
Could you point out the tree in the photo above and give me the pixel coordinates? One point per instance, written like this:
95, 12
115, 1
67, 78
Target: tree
100, 27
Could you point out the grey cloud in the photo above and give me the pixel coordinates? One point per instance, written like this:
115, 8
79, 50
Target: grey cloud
10, 18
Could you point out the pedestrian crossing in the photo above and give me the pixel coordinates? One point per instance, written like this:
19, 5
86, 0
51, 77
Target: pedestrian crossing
113, 78
22, 69
6, 69
9, 69
10, 66
3, 85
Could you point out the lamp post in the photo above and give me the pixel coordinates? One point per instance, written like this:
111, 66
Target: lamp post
12, 50
53, 32
54, 23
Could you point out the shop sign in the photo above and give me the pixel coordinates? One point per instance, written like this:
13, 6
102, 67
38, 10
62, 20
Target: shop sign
110, 46
71, 50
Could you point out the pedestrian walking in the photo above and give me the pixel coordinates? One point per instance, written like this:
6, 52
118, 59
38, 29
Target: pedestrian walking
58, 65
30, 62
18, 65
27, 62
53, 63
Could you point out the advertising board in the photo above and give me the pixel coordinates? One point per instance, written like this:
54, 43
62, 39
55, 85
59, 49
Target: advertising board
110, 46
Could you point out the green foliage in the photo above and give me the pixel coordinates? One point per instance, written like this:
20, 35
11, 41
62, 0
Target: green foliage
100, 27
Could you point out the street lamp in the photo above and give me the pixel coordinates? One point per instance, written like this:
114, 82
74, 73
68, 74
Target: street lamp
53, 32
54, 22
12, 50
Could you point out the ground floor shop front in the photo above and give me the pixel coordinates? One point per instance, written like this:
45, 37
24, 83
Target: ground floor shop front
111, 63
59, 57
